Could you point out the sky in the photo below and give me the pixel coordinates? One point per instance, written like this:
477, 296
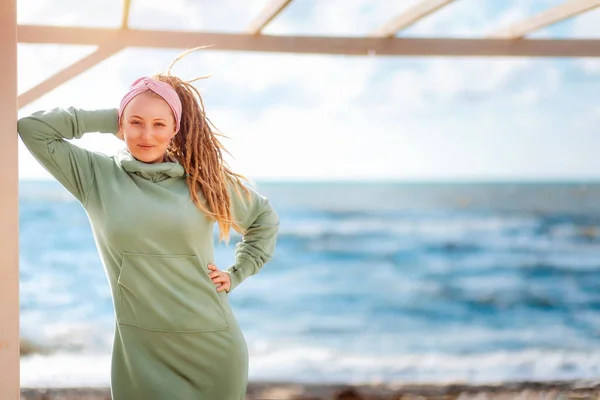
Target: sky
321, 117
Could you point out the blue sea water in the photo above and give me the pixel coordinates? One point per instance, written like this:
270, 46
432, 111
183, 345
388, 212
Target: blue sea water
380, 281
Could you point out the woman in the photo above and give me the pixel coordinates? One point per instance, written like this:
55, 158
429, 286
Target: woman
152, 209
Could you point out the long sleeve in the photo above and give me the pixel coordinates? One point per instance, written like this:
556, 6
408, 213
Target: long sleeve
44, 134
260, 223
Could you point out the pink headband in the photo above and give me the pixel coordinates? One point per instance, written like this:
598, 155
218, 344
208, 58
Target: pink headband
162, 89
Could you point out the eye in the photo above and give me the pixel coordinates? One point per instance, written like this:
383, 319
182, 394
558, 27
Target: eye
160, 124
135, 122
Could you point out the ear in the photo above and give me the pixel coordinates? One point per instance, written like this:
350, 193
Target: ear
120, 134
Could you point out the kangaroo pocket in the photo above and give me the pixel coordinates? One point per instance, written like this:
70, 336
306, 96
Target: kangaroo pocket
168, 293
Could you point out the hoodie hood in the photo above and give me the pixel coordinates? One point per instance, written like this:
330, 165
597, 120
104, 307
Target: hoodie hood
152, 171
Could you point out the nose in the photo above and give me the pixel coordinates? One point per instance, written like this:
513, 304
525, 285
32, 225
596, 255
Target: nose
147, 133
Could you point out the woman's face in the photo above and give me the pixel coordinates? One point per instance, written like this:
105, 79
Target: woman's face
147, 127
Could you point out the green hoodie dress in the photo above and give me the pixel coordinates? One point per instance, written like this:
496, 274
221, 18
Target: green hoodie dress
176, 337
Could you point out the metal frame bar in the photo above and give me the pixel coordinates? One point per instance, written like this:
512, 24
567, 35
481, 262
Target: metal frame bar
566, 10
315, 45
410, 17
271, 10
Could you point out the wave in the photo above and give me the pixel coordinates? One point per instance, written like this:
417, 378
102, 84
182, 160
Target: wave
324, 365
312, 364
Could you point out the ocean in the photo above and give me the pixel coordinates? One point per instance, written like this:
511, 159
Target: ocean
371, 282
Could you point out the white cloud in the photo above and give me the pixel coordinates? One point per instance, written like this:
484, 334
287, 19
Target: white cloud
224, 15
37, 62
408, 90
459, 19
322, 78
105, 13
590, 66
444, 80
335, 17
527, 96
479, 75
586, 25
475, 18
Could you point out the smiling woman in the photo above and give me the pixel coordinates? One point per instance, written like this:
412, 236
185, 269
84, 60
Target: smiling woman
148, 126
152, 208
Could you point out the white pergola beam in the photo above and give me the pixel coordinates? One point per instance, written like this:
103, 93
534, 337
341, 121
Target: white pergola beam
568, 9
314, 45
9, 206
271, 10
101, 53
410, 17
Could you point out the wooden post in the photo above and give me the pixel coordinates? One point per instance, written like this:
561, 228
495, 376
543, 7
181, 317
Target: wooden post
9, 206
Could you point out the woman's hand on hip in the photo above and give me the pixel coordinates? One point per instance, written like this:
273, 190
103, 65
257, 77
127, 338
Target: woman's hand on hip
220, 278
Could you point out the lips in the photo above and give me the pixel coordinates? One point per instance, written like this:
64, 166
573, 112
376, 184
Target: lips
145, 147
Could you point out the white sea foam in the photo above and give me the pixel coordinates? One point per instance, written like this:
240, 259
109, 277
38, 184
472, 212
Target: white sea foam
65, 370
309, 364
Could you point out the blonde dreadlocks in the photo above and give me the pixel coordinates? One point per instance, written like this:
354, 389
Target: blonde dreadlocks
199, 150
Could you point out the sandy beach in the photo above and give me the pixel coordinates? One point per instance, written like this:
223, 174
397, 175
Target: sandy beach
298, 391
